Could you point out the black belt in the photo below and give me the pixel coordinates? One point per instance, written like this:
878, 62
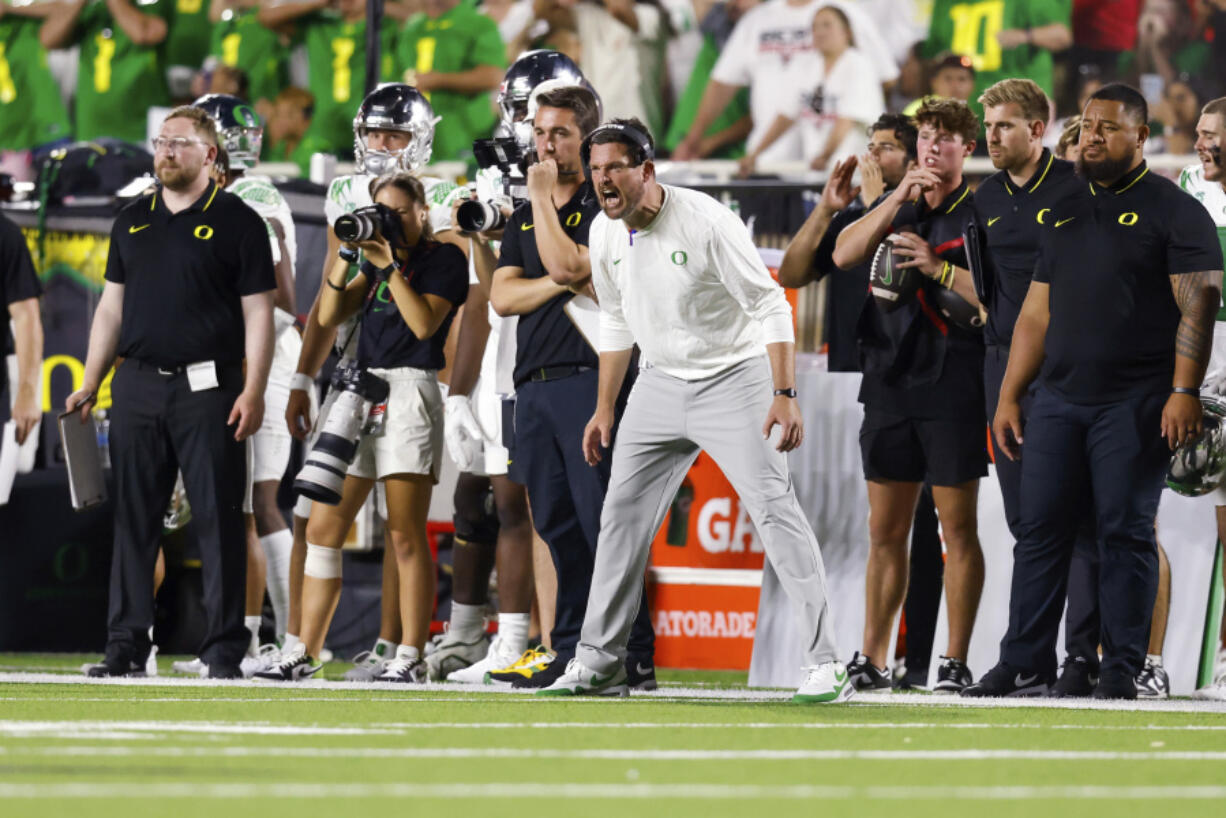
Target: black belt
553, 373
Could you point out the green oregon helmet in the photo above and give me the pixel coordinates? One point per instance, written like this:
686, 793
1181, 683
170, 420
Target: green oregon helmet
1197, 467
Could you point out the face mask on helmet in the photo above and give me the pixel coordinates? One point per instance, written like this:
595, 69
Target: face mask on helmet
524, 80
239, 129
400, 108
243, 145
1198, 466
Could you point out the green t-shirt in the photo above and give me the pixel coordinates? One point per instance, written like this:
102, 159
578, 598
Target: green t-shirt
31, 110
687, 106
336, 51
117, 80
970, 29
240, 41
459, 40
188, 33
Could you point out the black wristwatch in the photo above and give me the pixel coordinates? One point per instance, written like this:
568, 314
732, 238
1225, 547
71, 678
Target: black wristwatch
787, 393
348, 254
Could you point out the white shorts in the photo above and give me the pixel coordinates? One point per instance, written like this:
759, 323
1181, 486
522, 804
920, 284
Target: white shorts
273, 442
411, 439
487, 406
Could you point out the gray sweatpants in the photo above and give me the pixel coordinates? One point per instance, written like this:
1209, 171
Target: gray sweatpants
666, 422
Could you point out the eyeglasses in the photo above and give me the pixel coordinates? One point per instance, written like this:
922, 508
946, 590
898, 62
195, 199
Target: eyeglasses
172, 143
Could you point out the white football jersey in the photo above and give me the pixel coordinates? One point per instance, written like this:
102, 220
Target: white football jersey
1211, 195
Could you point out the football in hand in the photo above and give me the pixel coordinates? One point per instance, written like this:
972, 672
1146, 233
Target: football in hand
892, 286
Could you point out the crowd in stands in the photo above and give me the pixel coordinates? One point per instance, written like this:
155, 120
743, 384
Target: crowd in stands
773, 80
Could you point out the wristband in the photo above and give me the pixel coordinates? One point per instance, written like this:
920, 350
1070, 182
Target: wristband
1185, 390
786, 393
336, 287
301, 380
348, 254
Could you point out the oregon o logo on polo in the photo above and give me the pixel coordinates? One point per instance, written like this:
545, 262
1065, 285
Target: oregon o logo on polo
679, 257
203, 232
573, 219
1128, 219
1039, 216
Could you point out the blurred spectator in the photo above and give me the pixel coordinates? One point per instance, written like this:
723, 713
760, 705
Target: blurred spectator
684, 41
121, 73
1006, 38
287, 124
187, 44
832, 118
1068, 145
241, 42
1215, 21
552, 26
725, 136
455, 56
513, 18
1178, 112
334, 33
31, 111
1103, 32
1167, 43
951, 76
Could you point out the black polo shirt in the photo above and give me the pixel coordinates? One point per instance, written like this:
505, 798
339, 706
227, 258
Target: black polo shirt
1014, 220
915, 363
184, 275
845, 293
546, 336
18, 281
385, 340
1108, 260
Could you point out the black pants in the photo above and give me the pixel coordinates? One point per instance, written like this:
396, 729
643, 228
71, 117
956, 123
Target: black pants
566, 496
1081, 624
159, 425
1113, 450
922, 605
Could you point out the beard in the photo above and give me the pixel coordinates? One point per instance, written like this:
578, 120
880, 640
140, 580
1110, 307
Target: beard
175, 176
1103, 170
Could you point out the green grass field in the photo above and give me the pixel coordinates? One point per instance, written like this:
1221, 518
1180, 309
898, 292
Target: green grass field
703, 745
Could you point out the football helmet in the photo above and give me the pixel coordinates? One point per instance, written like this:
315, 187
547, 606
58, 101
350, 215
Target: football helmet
394, 106
239, 129
531, 75
1198, 466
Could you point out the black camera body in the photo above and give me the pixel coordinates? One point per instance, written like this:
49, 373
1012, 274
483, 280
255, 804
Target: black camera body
366, 223
512, 161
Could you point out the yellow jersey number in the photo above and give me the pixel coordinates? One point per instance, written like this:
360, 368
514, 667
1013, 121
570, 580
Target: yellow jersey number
342, 74
975, 28
102, 63
8, 90
229, 48
425, 57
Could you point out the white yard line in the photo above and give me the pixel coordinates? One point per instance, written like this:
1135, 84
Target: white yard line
84, 728
615, 791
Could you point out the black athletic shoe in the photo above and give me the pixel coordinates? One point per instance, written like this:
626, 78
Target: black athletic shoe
952, 676
1077, 679
640, 675
1115, 684
1004, 681
866, 678
115, 667
225, 672
543, 677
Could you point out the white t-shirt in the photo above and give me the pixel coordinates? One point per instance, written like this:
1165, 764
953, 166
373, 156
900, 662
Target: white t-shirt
622, 65
690, 289
846, 90
759, 54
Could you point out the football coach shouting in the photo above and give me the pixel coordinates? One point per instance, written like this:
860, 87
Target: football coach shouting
1117, 326
187, 298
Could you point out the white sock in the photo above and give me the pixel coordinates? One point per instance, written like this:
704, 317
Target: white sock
1154, 659
290, 642
384, 649
253, 625
513, 630
407, 652
467, 621
277, 547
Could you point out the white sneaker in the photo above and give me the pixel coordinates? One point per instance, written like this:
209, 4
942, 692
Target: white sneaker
453, 652
192, 667
294, 666
826, 682
580, 680
496, 658
367, 666
151, 664
404, 669
268, 656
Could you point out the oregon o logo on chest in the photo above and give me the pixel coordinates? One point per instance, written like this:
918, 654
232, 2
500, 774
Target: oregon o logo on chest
203, 232
573, 219
1128, 219
679, 257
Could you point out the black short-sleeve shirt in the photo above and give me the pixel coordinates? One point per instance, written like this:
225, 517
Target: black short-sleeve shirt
1014, 220
845, 293
546, 336
184, 275
385, 340
18, 281
916, 363
1108, 260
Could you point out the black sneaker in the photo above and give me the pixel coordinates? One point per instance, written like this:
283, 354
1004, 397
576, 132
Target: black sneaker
865, 677
1152, 681
952, 676
1077, 679
114, 667
640, 675
225, 672
544, 677
1004, 681
1115, 684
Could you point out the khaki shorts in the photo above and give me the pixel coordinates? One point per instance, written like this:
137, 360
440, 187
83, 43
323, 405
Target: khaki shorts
411, 438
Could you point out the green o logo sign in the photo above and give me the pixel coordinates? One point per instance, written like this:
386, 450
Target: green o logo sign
679, 257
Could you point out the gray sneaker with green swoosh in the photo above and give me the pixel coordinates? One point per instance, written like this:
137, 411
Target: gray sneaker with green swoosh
580, 680
825, 683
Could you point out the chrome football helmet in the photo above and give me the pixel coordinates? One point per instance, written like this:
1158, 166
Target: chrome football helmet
239, 129
394, 106
531, 75
1198, 466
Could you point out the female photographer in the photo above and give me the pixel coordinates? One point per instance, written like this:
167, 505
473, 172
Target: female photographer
408, 290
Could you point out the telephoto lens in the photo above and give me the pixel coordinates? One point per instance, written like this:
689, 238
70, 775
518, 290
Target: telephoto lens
323, 475
476, 216
356, 226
